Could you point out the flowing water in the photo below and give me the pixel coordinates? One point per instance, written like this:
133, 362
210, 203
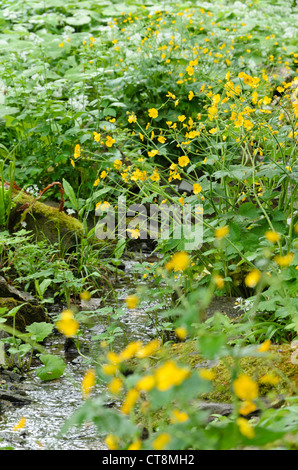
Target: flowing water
54, 401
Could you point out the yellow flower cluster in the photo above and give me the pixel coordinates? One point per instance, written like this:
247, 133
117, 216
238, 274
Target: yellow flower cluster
88, 382
77, 151
221, 232
178, 262
67, 324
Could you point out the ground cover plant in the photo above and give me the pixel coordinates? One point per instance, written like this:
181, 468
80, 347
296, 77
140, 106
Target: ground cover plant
188, 104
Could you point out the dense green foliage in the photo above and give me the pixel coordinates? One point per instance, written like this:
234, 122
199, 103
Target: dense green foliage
142, 100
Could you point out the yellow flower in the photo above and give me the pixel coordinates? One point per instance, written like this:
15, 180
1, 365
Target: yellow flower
213, 131
135, 233
245, 428
170, 95
85, 295
267, 100
67, 324
190, 95
115, 385
247, 407
146, 383
192, 134
174, 175
221, 232
245, 388
110, 369
130, 350
285, 260
152, 153
219, 281
103, 174
153, 113
161, 139
132, 118
103, 206
239, 122
117, 164
112, 442
161, 441
96, 136
138, 175
148, 349
248, 124
181, 118
197, 188
178, 262
110, 141
272, 237
113, 357
88, 383
135, 445
270, 379
155, 176
216, 98
190, 70
212, 112
130, 401
179, 416
207, 374
254, 97
183, 161
169, 374
77, 151
132, 301
61, 44
253, 278
265, 346
181, 332
21, 424
96, 182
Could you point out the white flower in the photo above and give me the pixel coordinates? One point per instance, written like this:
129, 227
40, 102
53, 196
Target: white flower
70, 211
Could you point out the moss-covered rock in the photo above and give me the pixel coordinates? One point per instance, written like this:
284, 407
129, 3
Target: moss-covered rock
280, 362
45, 221
26, 315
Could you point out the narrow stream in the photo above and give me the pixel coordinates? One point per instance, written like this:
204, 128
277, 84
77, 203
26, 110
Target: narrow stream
55, 401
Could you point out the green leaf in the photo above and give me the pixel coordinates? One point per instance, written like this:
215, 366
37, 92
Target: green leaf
120, 247
24, 349
70, 193
78, 20
6, 110
14, 310
210, 345
40, 330
53, 367
249, 210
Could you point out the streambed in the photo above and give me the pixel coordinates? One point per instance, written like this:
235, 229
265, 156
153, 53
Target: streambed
52, 402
